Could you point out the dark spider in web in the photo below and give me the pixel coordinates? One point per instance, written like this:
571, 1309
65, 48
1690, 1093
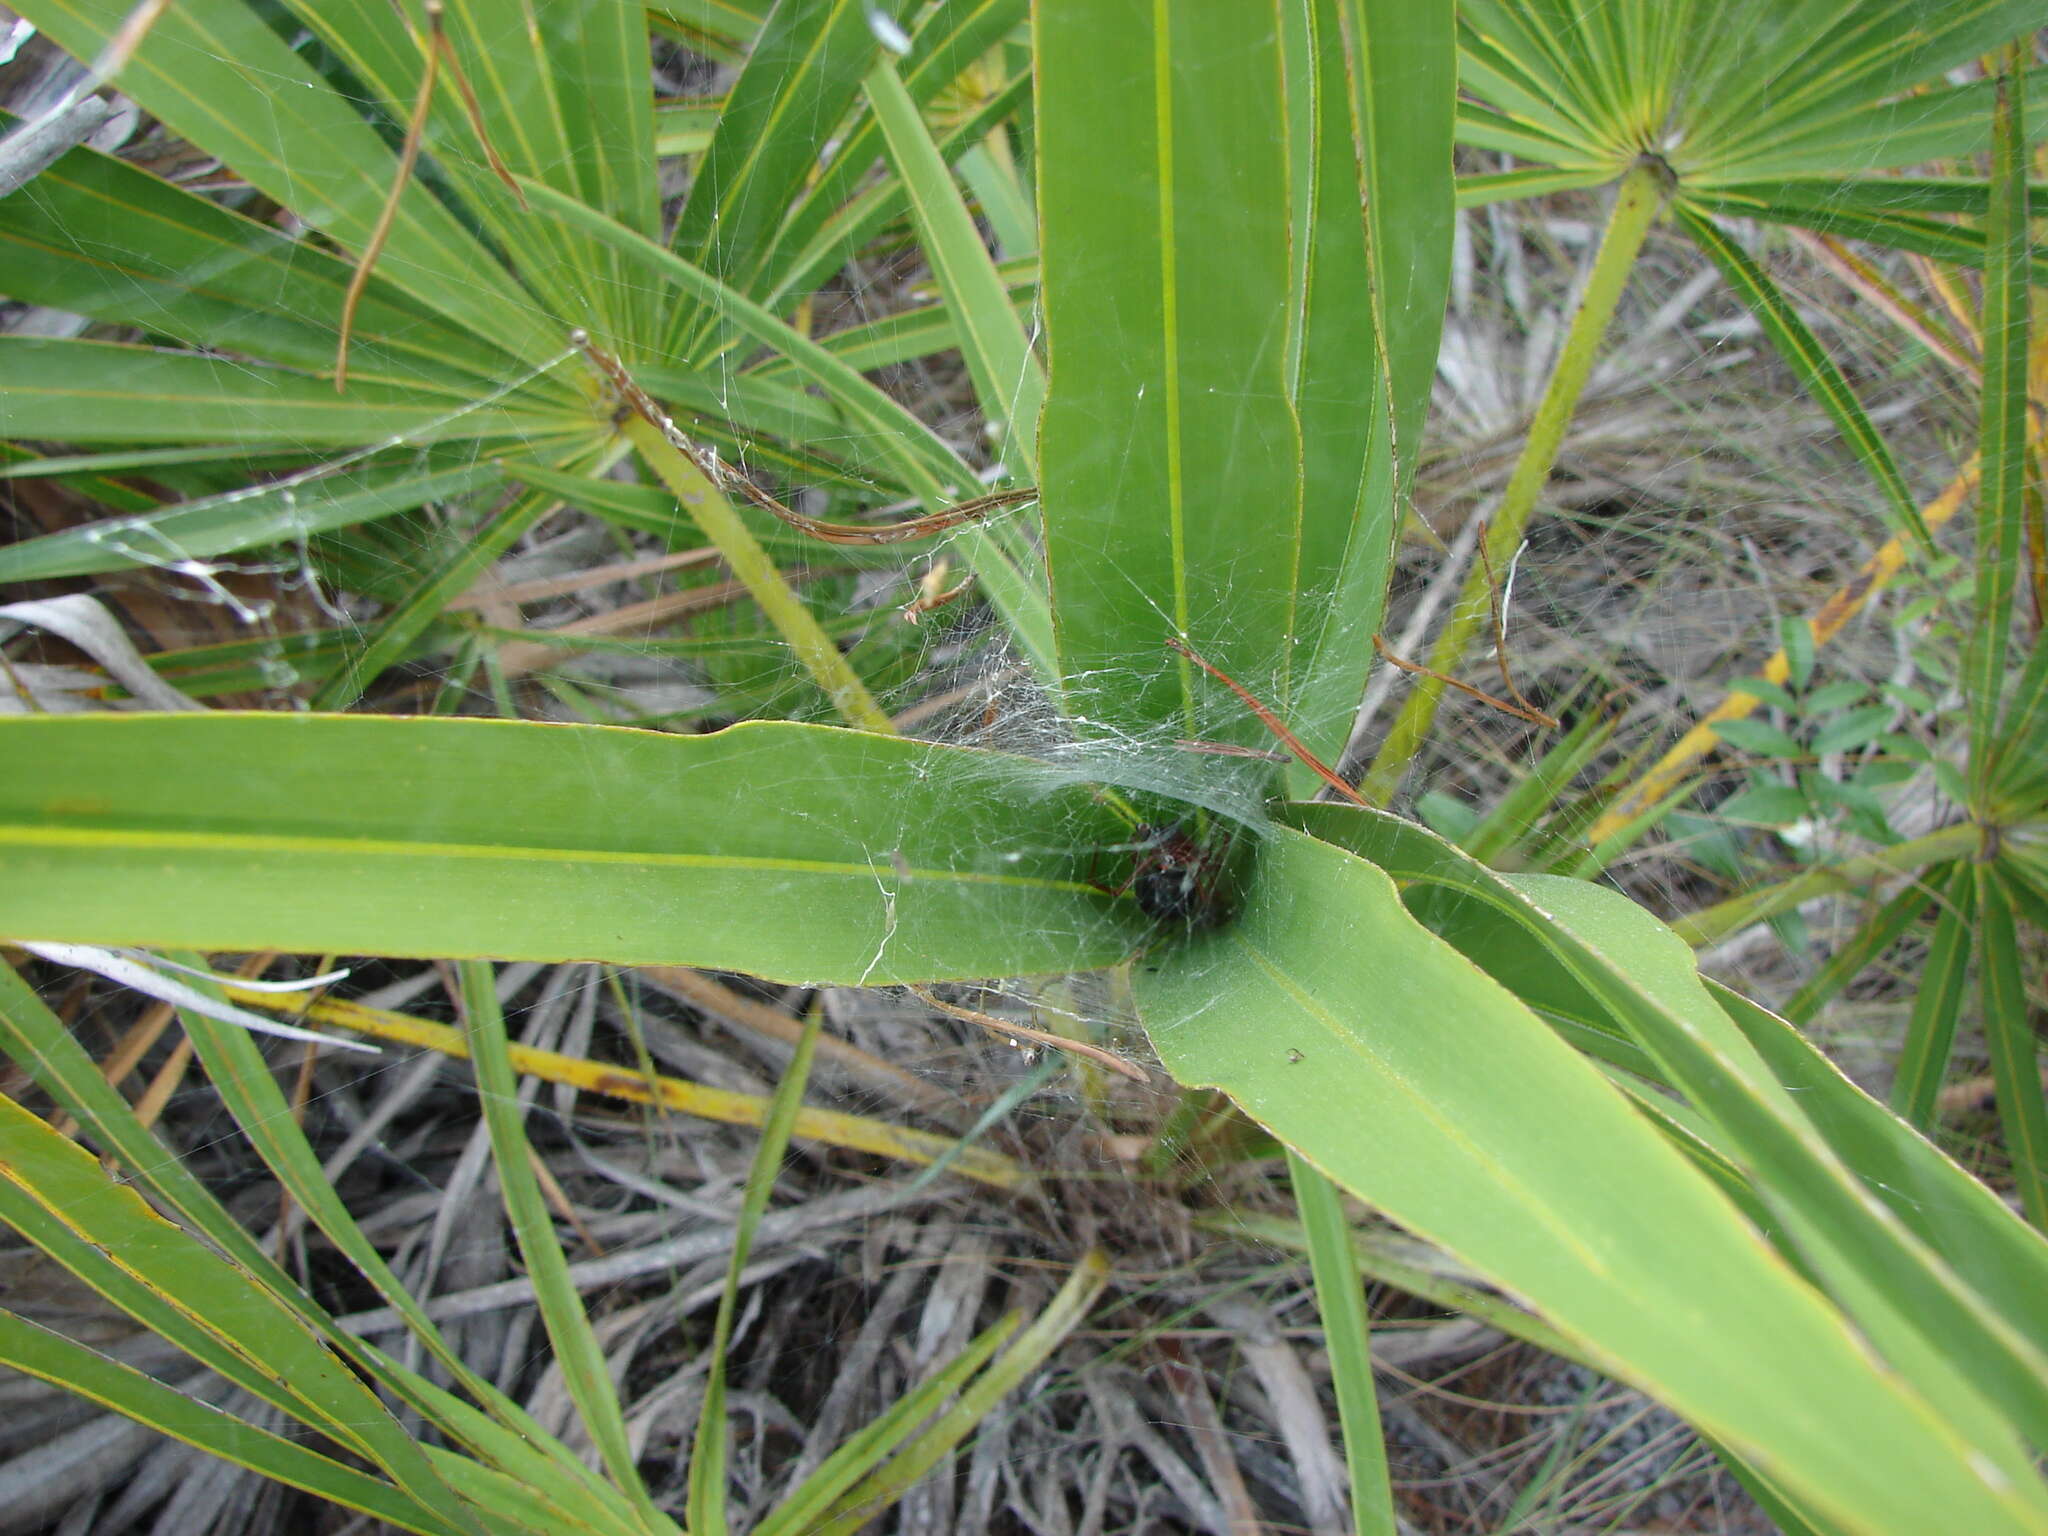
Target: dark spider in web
1175, 878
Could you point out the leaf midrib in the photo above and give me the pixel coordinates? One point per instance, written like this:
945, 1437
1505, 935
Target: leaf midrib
27, 836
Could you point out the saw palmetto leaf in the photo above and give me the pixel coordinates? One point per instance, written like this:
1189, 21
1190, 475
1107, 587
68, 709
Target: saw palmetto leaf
1402, 1035
888, 859
837, 212
1740, 92
219, 78
1754, 106
1246, 247
534, 213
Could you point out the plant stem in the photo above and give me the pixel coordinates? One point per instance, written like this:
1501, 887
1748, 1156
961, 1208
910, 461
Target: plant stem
1635, 206
758, 574
1347, 1334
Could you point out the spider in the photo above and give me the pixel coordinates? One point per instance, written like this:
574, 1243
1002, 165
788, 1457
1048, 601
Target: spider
1175, 878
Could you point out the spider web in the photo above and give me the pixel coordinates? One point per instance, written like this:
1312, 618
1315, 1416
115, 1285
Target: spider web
1683, 521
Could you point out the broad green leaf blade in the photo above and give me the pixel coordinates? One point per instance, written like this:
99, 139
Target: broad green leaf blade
1372, 303
2001, 439
1431, 1093
99, 237
1943, 983
1169, 451
1347, 1330
222, 525
1905, 1294
104, 392
1786, 1518
221, 77
1403, 73
1809, 360
1953, 1213
1557, 934
1336, 365
36, 1351
575, 1345
1007, 378
807, 853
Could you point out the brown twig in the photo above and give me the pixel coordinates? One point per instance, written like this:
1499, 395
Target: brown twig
1533, 716
475, 110
436, 50
740, 1012
1015, 1032
408, 157
1271, 721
